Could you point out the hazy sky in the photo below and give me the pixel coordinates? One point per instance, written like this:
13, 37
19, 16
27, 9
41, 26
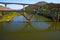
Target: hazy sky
27, 1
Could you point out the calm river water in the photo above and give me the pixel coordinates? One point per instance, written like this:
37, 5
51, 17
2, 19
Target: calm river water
37, 22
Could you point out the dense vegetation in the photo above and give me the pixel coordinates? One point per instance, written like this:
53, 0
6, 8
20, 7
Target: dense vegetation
47, 12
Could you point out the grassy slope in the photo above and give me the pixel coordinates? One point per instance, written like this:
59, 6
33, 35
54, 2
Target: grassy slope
9, 16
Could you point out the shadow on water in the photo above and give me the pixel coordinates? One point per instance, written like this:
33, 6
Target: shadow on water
0, 25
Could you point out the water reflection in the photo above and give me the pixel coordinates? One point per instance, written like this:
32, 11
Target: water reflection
18, 19
40, 25
13, 26
19, 23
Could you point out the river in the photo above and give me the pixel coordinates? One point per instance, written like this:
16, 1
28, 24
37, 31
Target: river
38, 22
39, 28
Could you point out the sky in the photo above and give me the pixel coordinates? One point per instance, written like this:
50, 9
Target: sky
27, 2
30, 1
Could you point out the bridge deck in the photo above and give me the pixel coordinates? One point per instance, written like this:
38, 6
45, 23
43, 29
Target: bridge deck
18, 3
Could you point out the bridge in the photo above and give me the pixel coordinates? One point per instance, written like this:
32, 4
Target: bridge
6, 3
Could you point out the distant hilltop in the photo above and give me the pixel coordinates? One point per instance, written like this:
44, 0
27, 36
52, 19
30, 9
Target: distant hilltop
3, 8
